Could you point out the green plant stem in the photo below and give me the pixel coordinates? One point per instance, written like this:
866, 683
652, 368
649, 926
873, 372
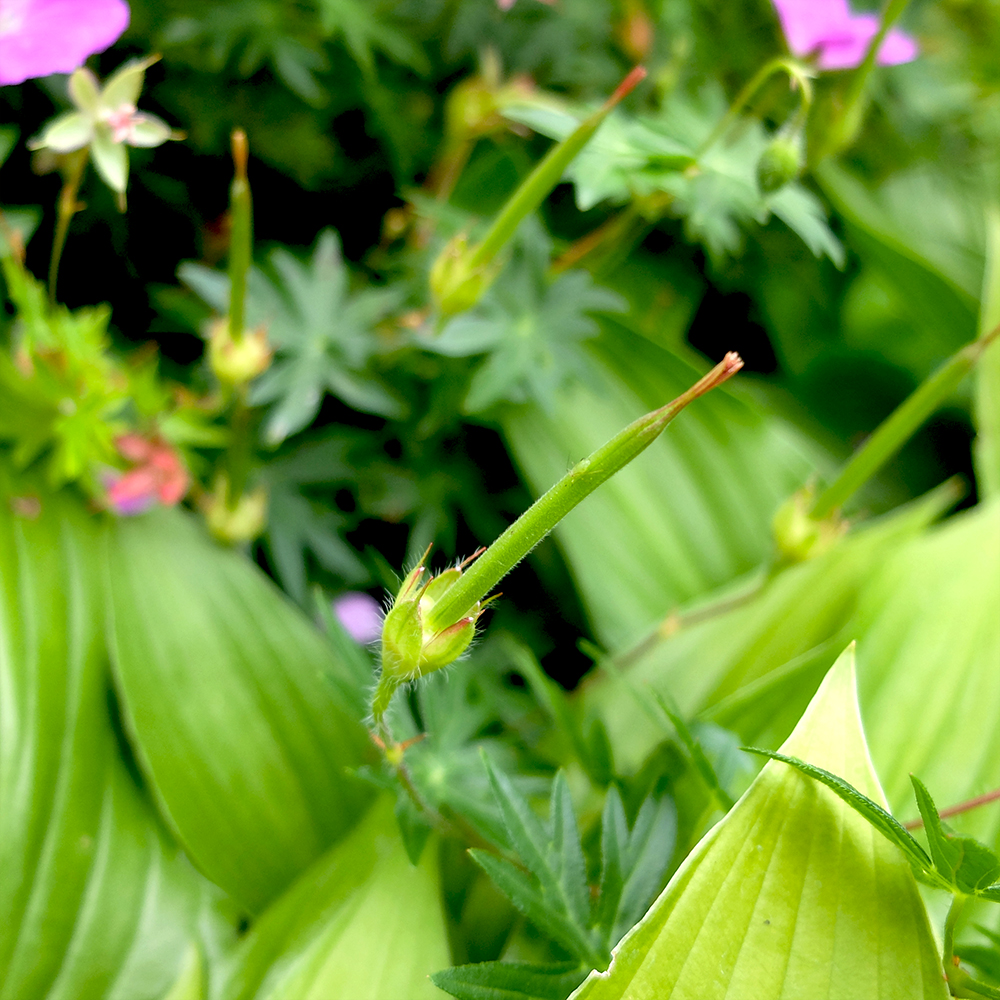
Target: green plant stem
546, 176
241, 237
948, 945
239, 456
899, 426
778, 65
66, 207
859, 79
539, 519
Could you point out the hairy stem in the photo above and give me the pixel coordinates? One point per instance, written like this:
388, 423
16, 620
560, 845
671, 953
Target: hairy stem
539, 519
546, 176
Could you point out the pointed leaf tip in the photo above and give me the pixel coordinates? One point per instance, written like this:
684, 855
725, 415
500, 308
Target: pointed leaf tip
791, 894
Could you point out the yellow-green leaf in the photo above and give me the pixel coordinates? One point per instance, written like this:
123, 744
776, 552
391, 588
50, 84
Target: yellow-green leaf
792, 895
361, 924
231, 698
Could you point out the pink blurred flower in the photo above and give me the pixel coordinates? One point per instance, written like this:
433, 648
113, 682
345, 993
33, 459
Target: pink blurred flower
39, 37
838, 37
360, 615
158, 476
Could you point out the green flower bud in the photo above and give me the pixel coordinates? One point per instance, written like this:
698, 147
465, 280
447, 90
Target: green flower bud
799, 536
410, 646
237, 362
780, 163
456, 284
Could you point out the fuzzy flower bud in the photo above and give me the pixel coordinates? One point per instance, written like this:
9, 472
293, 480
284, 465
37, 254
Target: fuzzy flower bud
410, 646
780, 163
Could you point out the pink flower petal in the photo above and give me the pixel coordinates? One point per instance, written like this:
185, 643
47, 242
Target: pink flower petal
360, 615
806, 23
897, 48
133, 492
39, 37
838, 38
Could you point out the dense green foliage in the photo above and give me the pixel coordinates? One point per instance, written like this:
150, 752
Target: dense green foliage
470, 267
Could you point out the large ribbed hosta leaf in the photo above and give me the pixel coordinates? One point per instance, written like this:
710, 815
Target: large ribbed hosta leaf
754, 667
96, 901
361, 924
229, 695
928, 630
692, 513
792, 896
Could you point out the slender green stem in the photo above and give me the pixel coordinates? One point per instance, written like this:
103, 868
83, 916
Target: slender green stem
239, 456
241, 238
781, 64
546, 176
66, 207
859, 79
539, 519
899, 426
954, 912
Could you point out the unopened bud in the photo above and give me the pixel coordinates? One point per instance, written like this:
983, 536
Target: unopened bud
797, 535
780, 163
410, 646
234, 524
236, 362
456, 283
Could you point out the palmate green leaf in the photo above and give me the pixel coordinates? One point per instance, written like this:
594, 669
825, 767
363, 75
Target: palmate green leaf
246, 36
529, 325
554, 895
632, 862
297, 526
97, 900
715, 191
322, 333
691, 514
361, 923
510, 981
365, 29
791, 895
235, 706
753, 666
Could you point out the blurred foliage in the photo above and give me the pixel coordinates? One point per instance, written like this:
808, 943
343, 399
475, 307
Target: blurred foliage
166, 702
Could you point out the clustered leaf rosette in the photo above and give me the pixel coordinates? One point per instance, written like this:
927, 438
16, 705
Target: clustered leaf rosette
106, 121
410, 647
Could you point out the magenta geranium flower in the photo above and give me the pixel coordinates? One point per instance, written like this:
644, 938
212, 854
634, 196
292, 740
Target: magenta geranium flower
838, 38
39, 37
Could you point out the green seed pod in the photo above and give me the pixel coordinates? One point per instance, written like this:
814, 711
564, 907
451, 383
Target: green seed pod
780, 163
